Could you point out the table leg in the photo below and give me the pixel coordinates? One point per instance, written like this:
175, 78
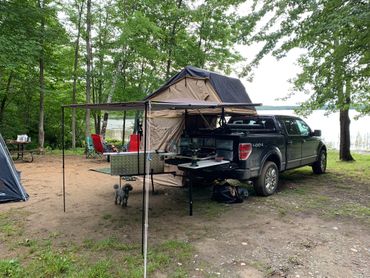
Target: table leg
190, 195
22, 150
18, 151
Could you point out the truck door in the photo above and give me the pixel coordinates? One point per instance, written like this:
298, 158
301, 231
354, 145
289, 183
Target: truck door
309, 144
294, 142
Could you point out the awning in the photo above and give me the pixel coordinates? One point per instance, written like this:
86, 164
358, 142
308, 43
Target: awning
160, 105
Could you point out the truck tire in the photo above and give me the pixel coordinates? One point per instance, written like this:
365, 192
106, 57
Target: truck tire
319, 166
266, 184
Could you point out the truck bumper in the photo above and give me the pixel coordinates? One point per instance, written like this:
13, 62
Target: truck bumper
238, 174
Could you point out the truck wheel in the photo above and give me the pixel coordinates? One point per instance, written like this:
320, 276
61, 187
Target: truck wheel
267, 182
319, 167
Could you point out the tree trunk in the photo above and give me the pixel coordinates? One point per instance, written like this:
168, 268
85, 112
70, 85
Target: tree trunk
109, 99
99, 88
41, 82
88, 66
345, 139
75, 65
5, 98
94, 100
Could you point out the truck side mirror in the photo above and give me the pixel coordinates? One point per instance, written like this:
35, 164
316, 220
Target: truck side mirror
316, 133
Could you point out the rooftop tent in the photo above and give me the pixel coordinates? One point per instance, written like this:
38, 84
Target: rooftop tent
202, 85
191, 85
11, 188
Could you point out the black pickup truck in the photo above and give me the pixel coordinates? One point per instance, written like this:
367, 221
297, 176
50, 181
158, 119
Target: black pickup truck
258, 148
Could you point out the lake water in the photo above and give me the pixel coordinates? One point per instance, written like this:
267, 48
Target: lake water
329, 126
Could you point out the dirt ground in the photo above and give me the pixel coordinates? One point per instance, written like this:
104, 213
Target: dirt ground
314, 227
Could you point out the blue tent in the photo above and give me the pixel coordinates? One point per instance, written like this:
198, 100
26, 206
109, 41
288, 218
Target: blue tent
11, 188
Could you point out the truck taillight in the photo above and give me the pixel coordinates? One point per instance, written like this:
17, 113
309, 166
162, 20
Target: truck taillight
245, 150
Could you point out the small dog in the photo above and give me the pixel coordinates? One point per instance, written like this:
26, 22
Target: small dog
122, 194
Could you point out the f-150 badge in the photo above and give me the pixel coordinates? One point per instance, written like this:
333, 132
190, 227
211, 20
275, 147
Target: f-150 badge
257, 145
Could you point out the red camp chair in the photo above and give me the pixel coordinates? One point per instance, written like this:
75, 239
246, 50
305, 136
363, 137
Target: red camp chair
101, 148
134, 143
98, 145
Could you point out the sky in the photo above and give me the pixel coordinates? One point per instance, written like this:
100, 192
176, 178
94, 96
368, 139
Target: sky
271, 79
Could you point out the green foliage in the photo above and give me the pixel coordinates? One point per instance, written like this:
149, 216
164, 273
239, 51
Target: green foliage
335, 36
100, 270
51, 264
10, 268
104, 258
111, 243
21, 44
137, 45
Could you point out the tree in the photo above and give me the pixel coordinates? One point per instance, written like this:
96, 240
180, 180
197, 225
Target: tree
216, 34
88, 65
41, 6
335, 65
79, 7
50, 37
18, 50
131, 48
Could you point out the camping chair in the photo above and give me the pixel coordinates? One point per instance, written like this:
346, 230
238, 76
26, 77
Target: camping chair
97, 143
90, 150
101, 147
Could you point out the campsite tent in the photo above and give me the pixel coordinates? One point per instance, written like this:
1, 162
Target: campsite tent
11, 188
193, 85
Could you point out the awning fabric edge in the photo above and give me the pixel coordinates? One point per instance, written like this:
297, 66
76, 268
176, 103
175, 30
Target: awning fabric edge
155, 105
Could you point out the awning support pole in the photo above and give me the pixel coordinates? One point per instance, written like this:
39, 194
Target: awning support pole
185, 120
144, 178
63, 159
139, 143
124, 128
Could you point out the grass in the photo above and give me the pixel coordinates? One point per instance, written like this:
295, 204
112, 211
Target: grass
110, 243
107, 257
11, 223
211, 209
342, 192
358, 170
77, 151
95, 258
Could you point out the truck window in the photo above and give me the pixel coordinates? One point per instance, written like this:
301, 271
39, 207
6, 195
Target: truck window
253, 123
291, 126
303, 128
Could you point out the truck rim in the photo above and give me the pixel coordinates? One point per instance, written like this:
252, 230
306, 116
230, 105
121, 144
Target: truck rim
323, 161
271, 179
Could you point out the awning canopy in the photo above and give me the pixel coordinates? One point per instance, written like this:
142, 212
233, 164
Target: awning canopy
160, 105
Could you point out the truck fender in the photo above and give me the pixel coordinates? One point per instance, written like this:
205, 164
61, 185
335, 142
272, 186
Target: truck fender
320, 147
276, 156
